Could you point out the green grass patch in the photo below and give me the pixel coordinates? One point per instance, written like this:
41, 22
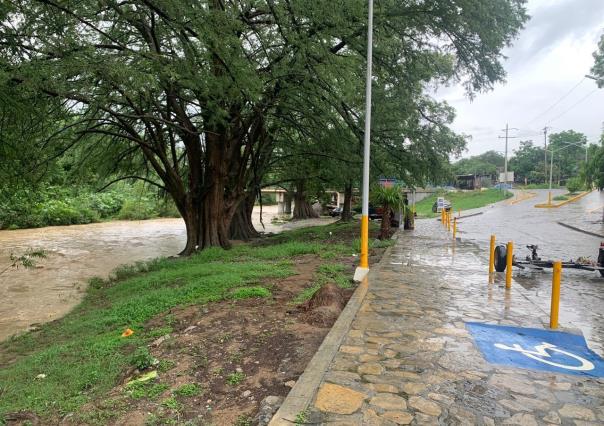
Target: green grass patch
464, 200
188, 390
560, 198
250, 292
235, 378
538, 186
83, 354
149, 390
327, 273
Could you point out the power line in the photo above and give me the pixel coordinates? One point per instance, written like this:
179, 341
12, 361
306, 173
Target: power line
572, 106
558, 101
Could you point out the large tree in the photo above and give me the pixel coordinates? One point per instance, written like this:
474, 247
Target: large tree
569, 152
191, 88
598, 68
487, 163
527, 163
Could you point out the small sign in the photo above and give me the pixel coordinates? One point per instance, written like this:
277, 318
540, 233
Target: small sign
510, 177
440, 203
536, 349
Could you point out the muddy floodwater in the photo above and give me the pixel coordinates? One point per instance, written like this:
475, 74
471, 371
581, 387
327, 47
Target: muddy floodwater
77, 253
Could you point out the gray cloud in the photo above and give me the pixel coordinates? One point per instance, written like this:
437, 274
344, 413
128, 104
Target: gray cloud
553, 22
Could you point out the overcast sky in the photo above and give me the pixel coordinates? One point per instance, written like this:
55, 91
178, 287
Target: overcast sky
549, 58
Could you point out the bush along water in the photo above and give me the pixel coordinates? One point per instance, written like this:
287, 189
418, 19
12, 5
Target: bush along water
57, 205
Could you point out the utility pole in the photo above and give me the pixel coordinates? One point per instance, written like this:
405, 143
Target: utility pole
545, 152
506, 137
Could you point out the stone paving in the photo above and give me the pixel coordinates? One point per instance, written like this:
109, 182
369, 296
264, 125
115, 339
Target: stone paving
408, 358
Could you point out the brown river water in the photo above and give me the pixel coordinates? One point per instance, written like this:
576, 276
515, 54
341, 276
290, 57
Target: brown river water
79, 252
74, 254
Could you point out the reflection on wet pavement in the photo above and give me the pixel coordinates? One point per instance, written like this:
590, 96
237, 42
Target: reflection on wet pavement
409, 359
582, 294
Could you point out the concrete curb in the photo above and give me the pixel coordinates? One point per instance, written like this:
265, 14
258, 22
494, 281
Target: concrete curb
303, 392
526, 196
563, 203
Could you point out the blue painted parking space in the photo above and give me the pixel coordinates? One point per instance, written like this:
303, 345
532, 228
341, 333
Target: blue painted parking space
536, 349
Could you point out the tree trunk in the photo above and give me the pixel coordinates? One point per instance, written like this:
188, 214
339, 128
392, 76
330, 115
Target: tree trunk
191, 214
241, 227
347, 208
216, 214
385, 226
302, 208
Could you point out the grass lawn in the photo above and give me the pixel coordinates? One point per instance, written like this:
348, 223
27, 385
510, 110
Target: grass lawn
462, 200
538, 186
67, 363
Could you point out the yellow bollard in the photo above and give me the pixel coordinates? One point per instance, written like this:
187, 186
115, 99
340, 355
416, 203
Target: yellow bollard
454, 227
555, 308
364, 260
449, 221
492, 256
508, 270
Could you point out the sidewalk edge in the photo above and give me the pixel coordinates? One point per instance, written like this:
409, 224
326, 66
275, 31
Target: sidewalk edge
303, 392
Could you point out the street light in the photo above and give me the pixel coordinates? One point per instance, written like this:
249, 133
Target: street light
363, 267
551, 165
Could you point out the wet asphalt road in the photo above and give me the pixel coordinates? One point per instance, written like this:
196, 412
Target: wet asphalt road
582, 294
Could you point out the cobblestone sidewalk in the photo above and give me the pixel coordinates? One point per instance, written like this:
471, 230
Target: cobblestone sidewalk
408, 358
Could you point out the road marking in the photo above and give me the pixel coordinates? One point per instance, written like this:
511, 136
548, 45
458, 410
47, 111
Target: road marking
541, 353
536, 349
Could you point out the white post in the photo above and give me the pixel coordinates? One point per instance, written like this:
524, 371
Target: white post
363, 268
505, 178
551, 170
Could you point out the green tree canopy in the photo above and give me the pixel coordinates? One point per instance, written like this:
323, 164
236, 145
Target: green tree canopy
194, 89
569, 152
527, 163
484, 164
598, 69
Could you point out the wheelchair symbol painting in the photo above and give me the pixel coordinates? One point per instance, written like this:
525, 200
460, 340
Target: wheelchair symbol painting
536, 349
541, 354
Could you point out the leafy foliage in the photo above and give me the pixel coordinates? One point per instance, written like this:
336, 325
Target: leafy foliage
483, 164
390, 199
64, 205
598, 68
242, 79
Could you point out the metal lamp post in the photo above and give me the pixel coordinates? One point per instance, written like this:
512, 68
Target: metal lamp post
551, 164
363, 267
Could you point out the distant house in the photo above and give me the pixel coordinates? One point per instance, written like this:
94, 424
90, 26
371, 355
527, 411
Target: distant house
471, 182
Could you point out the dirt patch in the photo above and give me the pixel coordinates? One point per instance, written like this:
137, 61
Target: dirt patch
324, 307
230, 355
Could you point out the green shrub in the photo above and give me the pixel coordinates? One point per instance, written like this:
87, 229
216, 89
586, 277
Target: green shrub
141, 358
575, 184
137, 209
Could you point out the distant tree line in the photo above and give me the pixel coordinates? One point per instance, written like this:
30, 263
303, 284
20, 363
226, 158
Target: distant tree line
531, 163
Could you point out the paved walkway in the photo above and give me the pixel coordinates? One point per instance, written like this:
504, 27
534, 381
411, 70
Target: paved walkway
409, 359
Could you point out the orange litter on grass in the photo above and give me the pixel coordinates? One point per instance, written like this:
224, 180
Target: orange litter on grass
127, 332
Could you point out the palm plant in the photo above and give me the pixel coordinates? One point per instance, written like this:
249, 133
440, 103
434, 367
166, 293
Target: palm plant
390, 199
